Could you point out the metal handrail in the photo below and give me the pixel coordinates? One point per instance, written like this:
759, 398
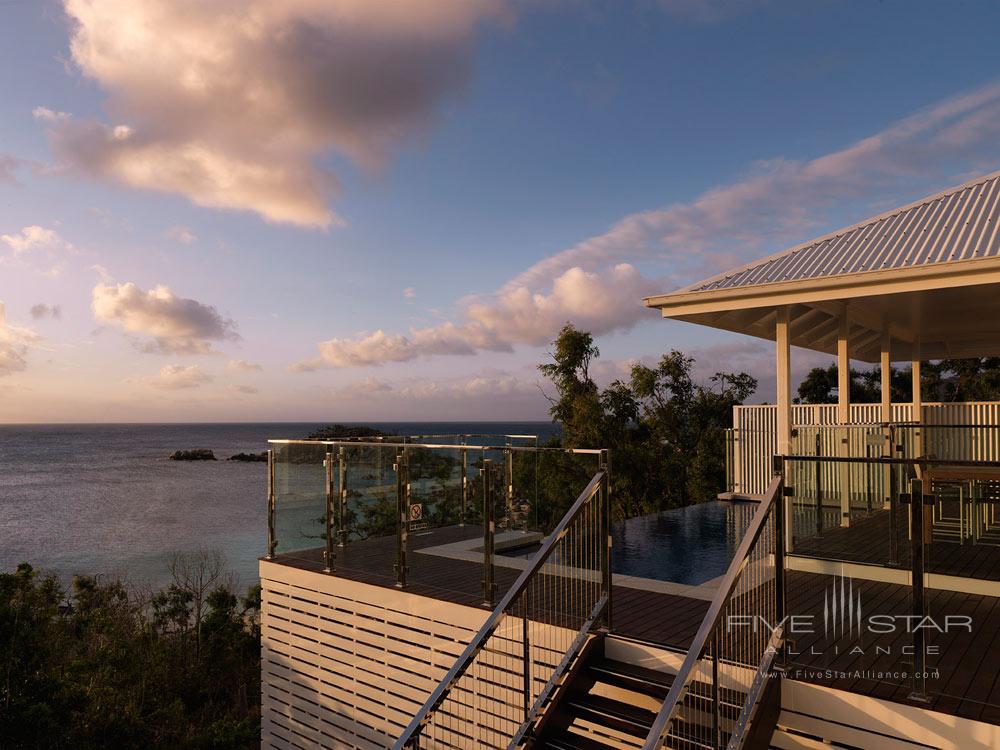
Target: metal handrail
447, 446
661, 725
465, 660
887, 461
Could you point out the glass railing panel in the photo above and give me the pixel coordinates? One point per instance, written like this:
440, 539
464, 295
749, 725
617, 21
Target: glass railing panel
848, 589
300, 515
445, 535
846, 510
365, 478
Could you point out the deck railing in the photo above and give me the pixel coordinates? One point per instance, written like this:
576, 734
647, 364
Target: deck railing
748, 448
717, 696
506, 676
925, 531
368, 505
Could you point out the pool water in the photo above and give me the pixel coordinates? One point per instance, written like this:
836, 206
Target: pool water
689, 545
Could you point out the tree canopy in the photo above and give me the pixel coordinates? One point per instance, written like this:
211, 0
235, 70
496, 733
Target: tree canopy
103, 665
943, 380
666, 432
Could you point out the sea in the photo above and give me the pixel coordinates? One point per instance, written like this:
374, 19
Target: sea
106, 500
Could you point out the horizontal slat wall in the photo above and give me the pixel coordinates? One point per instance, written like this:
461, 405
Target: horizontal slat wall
756, 433
347, 665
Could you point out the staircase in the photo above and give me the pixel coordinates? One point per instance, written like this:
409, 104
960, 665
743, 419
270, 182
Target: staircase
611, 704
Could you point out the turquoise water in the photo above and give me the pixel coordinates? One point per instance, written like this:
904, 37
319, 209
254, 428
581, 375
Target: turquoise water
78, 499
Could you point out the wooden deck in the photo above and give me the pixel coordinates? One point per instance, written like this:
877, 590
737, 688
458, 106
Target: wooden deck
867, 541
648, 616
968, 684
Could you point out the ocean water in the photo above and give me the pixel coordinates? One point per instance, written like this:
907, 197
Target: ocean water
105, 499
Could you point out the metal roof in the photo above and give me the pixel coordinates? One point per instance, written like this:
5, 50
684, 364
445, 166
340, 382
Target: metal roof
956, 225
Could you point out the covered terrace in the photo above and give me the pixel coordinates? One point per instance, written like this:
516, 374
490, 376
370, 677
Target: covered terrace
920, 282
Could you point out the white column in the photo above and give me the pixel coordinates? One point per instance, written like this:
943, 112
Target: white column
783, 373
843, 372
885, 363
844, 415
783, 370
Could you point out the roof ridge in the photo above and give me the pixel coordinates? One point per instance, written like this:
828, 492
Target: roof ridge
839, 232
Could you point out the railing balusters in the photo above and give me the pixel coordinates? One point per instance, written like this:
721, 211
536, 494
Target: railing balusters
743, 598
560, 593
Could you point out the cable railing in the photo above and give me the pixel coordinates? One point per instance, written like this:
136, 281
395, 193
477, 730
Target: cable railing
510, 671
716, 699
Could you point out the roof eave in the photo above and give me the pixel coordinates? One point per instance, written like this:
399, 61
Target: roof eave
849, 286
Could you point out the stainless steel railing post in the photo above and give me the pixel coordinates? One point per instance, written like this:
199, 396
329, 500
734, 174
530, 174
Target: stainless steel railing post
465, 482
272, 543
819, 486
604, 508
489, 530
917, 591
342, 505
402, 515
716, 734
331, 511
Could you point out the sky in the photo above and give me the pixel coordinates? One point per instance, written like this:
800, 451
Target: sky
324, 210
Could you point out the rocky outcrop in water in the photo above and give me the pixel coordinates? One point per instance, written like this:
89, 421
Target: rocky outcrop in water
196, 454
341, 431
249, 457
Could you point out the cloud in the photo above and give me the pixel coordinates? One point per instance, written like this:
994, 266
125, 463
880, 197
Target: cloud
409, 293
15, 343
259, 92
37, 248
8, 164
175, 325
244, 390
494, 383
48, 115
241, 365
781, 200
35, 238
595, 285
41, 310
600, 303
182, 234
177, 377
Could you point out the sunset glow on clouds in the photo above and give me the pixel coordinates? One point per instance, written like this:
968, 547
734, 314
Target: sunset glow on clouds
340, 209
232, 104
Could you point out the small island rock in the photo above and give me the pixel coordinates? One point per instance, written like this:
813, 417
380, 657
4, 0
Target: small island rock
249, 457
196, 454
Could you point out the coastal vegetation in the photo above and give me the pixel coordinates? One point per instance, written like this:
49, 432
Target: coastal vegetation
665, 430
976, 379
108, 665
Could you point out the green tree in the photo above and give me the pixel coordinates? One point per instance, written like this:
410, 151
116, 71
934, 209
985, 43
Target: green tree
820, 385
666, 432
104, 666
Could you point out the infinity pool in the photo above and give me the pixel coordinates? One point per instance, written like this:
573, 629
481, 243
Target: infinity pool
689, 545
